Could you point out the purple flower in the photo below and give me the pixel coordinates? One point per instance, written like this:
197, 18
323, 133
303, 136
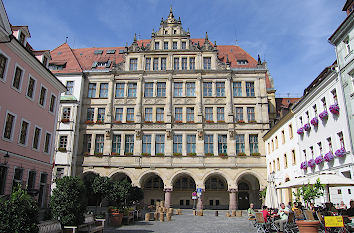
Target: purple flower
314, 121
334, 109
307, 127
340, 152
329, 156
323, 115
303, 165
311, 163
319, 159
300, 131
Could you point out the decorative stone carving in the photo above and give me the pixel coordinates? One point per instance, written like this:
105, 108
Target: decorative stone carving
200, 134
231, 133
169, 134
108, 133
138, 134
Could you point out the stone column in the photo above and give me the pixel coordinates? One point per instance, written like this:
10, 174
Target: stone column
228, 93
168, 197
232, 199
200, 205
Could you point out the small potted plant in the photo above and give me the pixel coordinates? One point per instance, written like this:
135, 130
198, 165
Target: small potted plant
241, 154
116, 216
324, 115
314, 121
311, 163
300, 131
334, 109
209, 154
329, 156
307, 127
65, 120
340, 152
303, 165
319, 159
256, 154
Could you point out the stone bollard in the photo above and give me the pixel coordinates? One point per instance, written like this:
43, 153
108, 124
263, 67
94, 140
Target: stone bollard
162, 203
156, 216
233, 213
168, 217
194, 212
216, 213
147, 217
227, 214
170, 211
200, 213
239, 213
162, 217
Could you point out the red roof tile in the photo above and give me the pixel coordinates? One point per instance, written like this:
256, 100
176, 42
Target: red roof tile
64, 53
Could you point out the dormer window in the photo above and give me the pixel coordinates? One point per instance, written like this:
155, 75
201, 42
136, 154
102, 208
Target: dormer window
98, 52
111, 51
22, 38
242, 62
57, 66
45, 61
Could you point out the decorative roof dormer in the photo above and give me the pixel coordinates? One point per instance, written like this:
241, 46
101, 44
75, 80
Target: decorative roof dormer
207, 46
43, 56
21, 33
134, 47
171, 27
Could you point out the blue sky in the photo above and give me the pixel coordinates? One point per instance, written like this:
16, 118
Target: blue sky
290, 35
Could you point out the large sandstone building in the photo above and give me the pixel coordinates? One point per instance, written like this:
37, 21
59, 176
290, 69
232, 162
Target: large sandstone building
171, 114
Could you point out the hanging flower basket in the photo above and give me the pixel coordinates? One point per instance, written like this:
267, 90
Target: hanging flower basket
311, 163
300, 131
334, 109
329, 156
303, 165
323, 115
314, 121
340, 152
319, 159
307, 127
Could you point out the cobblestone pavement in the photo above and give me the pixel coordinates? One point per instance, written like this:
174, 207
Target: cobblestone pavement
187, 223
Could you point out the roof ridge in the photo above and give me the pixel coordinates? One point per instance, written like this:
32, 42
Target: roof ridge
76, 58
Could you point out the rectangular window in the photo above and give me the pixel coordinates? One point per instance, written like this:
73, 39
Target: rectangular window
156, 64
42, 189
99, 143
220, 89
293, 156
90, 114
278, 164
47, 141
209, 144
285, 161
237, 89
334, 94
222, 144
131, 90
250, 88
104, 90
207, 63
31, 180
52, 103
148, 63
159, 114
254, 144
130, 114
149, 89
133, 64
190, 114
183, 45
36, 138
174, 45
192, 63
324, 104
157, 45
190, 89
282, 136
3, 176
42, 96
165, 45
209, 114
240, 143
66, 113
3, 61
220, 114
291, 131
129, 144
91, 90
239, 114
163, 63
178, 89
250, 114
119, 114
177, 144
59, 173
161, 89
100, 114
24, 132
276, 142
148, 114
87, 142
341, 139
31, 87
178, 114
63, 141
116, 144
207, 89
184, 63
147, 144
160, 144
16, 83
176, 63
17, 180
69, 87
120, 90
191, 144
9, 125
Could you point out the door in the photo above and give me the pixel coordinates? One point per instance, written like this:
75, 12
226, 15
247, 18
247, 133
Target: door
243, 201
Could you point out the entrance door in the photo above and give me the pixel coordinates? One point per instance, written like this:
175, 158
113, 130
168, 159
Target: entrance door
243, 200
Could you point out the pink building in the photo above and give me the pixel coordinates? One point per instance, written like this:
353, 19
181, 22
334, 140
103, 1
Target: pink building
29, 98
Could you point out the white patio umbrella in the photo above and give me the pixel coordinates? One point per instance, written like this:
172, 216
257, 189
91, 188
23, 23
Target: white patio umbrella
271, 199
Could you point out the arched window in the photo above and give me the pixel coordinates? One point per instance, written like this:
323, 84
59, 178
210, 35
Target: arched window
243, 186
215, 183
154, 183
184, 183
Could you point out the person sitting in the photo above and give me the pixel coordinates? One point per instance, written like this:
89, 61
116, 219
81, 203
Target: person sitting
350, 211
265, 213
342, 205
251, 212
283, 214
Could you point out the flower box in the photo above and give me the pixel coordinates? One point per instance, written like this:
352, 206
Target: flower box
307, 127
114, 154
334, 109
240, 121
178, 122
160, 122
129, 122
209, 122
98, 154
64, 120
311, 163
190, 122
221, 121
99, 122
160, 154
241, 154
222, 154
314, 121
128, 153
191, 154
147, 122
145, 154
300, 131
89, 122
256, 154
303, 165
62, 149
209, 154
319, 159
117, 122
323, 115
252, 121
329, 156
177, 154
340, 152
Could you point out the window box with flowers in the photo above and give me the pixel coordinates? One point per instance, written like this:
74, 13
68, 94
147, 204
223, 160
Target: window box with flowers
177, 154
222, 155
62, 149
160, 154
323, 115
241, 154
129, 122
190, 122
314, 121
114, 153
256, 154
99, 122
178, 122
307, 127
209, 122
98, 154
89, 122
329, 156
128, 153
65, 120
148, 122
145, 154
209, 154
117, 122
253, 121
221, 121
191, 154
300, 131
319, 159
303, 165
311, 163
334, 109
240, 121
340, 152
160, 122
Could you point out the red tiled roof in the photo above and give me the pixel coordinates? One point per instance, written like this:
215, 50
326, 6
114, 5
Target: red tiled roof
64, 53
285, 102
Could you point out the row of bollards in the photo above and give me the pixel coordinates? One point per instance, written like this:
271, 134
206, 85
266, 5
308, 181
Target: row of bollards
160, 213
234, 213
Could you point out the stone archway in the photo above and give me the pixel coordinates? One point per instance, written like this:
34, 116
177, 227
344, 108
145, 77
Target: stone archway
183, 186
88, 178
153, 186
248, 191
216, 195
119, 176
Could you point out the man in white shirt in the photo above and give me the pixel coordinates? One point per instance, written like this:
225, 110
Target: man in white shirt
283, 214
